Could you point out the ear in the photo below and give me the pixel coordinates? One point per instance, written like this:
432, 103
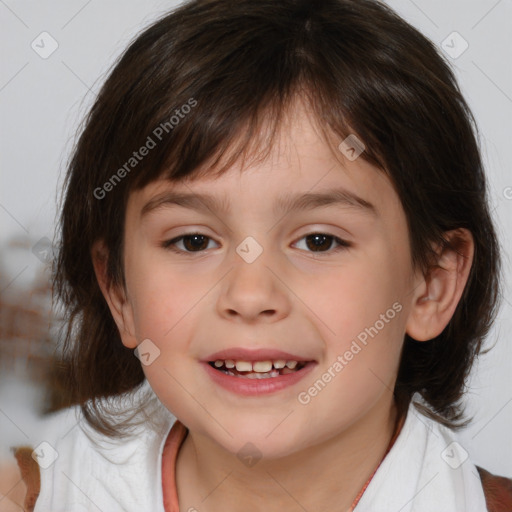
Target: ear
437, 294
115, 295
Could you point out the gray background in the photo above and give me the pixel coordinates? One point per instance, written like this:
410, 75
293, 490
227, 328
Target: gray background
43, 100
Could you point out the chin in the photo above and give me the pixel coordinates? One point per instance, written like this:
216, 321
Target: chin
268, 439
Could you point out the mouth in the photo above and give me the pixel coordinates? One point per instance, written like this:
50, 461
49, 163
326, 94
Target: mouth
258, 369
256, 378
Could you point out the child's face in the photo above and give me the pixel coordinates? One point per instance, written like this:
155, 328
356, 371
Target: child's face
315, 305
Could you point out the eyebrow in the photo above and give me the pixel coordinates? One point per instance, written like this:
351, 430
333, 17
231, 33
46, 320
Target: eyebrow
284, 203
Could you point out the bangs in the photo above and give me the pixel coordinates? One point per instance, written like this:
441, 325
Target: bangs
202, 150
214, 90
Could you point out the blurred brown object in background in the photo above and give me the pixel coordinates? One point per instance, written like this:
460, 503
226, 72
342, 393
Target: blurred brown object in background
28, 327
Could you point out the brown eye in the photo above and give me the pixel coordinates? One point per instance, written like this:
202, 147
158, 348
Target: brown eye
193, 242
319, 242
322, 242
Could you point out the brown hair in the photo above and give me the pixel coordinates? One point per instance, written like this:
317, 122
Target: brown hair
363, 70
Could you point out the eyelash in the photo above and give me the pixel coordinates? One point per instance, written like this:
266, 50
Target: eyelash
170, 244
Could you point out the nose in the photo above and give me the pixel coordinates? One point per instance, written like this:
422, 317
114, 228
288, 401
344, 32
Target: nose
254, 292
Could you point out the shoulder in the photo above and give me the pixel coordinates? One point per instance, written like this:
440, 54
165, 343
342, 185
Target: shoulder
13, 488
467, 482
67, 452
498, 491
20, 474
122, 473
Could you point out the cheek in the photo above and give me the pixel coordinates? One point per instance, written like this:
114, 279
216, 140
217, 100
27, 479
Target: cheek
353, 297
363, 353
164, 312
163, 295
362, 324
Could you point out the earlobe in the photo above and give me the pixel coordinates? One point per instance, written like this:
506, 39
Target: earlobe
440, 291
114, 295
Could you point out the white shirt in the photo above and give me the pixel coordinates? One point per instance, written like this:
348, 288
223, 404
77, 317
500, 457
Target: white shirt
96, 473
426, 470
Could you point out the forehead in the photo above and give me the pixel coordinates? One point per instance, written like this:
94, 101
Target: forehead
302, 171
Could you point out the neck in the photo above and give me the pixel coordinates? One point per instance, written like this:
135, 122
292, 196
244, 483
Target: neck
329, 474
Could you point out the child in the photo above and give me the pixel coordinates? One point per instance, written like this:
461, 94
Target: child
278, 264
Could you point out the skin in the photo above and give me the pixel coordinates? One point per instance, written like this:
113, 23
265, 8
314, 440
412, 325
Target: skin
291, 297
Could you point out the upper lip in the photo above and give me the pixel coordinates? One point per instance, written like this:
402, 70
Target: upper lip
260, 354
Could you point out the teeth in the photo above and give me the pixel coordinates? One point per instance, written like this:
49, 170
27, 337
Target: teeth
269, 375
257, 366
262, 366
243, 366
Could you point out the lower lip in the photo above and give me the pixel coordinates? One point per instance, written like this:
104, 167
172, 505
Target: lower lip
255, 387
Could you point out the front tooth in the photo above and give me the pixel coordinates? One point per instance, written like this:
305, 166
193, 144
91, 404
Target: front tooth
262, 366
244, 366
218, 363
280, 363
291, 364
230, 363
